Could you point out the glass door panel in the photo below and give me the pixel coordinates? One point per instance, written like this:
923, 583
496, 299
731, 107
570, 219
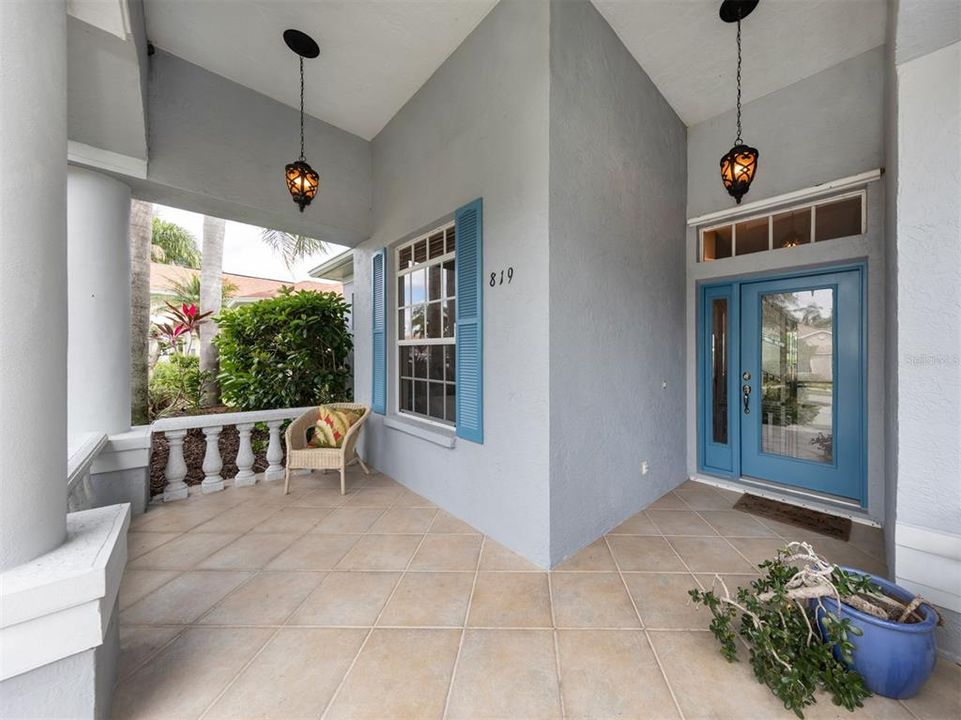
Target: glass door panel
797, 374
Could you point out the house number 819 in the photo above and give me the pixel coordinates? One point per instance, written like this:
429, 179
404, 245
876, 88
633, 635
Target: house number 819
498, 278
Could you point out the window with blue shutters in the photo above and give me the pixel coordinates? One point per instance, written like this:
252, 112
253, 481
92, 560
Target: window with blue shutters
468, 223
379, 344
439, 315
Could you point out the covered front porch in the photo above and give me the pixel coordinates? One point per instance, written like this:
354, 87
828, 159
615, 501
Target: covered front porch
250, 603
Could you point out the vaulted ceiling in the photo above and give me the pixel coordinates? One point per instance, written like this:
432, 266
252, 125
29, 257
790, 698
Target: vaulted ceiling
374, 54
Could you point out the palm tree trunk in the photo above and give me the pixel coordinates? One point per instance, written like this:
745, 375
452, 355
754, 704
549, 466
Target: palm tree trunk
211, 297
141, 217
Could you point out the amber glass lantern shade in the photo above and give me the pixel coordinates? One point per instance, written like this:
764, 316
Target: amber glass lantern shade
302, 183
737, 170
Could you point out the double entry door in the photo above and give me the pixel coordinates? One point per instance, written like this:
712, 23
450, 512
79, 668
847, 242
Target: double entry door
781, 381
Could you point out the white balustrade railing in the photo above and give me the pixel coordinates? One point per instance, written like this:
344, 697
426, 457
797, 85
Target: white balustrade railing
175, 430
80, 456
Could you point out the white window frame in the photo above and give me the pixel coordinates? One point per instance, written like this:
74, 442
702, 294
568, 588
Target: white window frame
398, 343
769, 214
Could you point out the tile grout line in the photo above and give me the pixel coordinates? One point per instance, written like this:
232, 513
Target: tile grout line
463, 632
647, 636
390, 596
557, 652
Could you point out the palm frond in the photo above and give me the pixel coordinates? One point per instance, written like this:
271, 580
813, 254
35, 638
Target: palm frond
291, 247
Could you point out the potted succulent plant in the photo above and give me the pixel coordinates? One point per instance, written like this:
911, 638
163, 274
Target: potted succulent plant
811, 624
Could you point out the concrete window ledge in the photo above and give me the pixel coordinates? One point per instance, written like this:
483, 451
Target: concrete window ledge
424, 431
61, 603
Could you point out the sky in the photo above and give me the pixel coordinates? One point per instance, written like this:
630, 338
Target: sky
244, 251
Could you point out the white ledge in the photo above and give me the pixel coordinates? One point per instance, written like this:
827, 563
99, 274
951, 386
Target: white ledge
424, 431
81, 456
188, 422
60, 603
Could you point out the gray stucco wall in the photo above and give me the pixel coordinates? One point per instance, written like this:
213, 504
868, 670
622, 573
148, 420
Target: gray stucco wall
219, 148
822, 128
929, 296
477, 128
617, 201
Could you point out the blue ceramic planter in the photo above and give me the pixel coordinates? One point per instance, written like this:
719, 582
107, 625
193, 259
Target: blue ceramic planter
894, 659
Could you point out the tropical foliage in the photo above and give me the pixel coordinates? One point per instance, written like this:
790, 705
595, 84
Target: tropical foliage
291, 247
176, 331
188, 291
288, 351
176, 385
174, 245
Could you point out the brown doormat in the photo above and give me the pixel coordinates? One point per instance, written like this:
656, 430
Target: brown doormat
819, 522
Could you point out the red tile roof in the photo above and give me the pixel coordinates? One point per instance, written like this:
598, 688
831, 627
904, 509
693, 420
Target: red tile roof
163, 277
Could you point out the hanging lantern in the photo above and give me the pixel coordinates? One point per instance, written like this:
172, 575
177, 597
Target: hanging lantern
739, 164
302, 179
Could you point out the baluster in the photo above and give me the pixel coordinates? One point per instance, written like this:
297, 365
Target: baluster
245, 457
275, 453
176, 470
213, 463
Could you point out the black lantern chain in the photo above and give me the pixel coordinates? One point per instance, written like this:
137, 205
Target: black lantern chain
737, 141
302, 100
302, 180
739, 164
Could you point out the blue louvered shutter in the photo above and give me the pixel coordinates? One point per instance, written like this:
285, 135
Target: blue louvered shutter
378, 282
469, 234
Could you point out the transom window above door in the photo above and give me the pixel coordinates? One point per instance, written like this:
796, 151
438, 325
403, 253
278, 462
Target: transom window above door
426, 307
828, 219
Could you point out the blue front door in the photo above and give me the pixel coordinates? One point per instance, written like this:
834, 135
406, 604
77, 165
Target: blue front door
788, 391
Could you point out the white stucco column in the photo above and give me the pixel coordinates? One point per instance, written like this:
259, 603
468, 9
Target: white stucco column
98, 291
33, 279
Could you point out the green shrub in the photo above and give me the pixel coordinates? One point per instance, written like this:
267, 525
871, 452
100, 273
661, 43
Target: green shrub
286, 351
176, 385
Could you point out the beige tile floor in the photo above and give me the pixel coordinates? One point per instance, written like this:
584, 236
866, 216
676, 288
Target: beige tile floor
250, 604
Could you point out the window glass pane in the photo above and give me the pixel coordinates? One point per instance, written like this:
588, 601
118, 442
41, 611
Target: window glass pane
449, 318
435, 362
837, 219
418, 293
451, 403
792, 228
437, 399
405, 362
450, 355
420, 251
449, 280
434, 329
406, 395
420, 397
403, 324
433, 282
419, 353
716, 243
404, 258
450, 239
752, 236
797, 362
418, 321
436, 245
719, 370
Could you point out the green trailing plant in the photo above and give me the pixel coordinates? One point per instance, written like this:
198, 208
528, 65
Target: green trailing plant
778, 621
288, 351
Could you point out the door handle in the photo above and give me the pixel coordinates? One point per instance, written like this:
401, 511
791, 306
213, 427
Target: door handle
746, 396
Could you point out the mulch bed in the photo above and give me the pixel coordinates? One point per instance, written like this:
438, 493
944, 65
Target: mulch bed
195, 446
819, 522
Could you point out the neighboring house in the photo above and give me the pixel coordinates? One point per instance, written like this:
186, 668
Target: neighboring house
339, 270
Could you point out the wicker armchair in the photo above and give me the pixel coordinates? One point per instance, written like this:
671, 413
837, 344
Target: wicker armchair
299, 456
